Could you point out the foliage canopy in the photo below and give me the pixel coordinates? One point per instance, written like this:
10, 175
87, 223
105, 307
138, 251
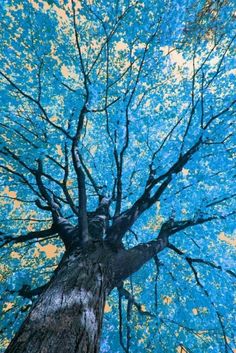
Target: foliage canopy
154, 83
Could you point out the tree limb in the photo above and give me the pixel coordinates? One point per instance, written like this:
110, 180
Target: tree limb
37, 102
125, 293
192, 260
29, 236
126, 262
126, 219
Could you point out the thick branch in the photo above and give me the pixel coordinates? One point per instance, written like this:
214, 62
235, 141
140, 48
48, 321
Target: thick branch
54, 206
171, 226
29, 236
68, 233
126, 262
127, 218
83, 219
27, 292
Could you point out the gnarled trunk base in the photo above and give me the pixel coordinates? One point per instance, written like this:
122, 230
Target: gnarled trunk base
67, 317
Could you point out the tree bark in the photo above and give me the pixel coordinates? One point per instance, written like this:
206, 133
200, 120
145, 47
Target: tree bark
67, 317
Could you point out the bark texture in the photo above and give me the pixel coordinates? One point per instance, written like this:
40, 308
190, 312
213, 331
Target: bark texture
67, 317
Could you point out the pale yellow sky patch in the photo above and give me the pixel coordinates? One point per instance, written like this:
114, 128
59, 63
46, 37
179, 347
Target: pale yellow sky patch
177, 58
6, 191
69, 182
231, 72
121, 45
7, 306
141, 340
68, 72
35, 4
200, 310
95, 44
227, 339
15, 255
65, 71
167, 300
5, 342
148, 103
46, 6
15, 7
107, 308
89, 125
181, 349
227, 239
84, 49
29, 67
53, 54
63, 18
13, 194
203, 332
54, 119
185, 171
50, 250
143, 307
59, 150
5, 272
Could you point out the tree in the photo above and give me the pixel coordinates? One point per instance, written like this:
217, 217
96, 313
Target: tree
117, 150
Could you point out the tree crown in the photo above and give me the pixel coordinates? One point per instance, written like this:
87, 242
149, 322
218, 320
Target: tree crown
124, 111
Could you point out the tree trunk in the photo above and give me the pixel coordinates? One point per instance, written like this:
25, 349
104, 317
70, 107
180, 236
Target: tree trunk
67, 318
